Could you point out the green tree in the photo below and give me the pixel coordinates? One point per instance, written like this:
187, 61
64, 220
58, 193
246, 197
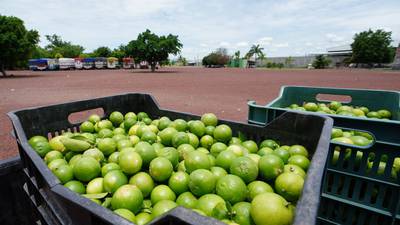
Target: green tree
153, 48
119, 52
39, 52
255, 51
65, 48
372, 47
289, 61
102, 51
236, 55
321, 62
216, 59
16, 42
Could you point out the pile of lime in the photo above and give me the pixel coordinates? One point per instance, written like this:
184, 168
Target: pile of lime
141, 168
337, 108
360, 139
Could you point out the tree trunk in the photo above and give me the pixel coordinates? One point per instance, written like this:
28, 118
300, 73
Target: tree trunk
153, 67
2, 70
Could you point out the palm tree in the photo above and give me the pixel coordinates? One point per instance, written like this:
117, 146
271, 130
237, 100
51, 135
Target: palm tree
255, 51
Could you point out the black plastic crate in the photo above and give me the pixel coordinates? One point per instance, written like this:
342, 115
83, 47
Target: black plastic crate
15, 208
312, 131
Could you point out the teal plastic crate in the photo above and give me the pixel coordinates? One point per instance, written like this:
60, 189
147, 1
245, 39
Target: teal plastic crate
384, 130
360, 185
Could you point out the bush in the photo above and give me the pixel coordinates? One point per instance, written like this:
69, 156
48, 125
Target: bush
321, 62
216, 59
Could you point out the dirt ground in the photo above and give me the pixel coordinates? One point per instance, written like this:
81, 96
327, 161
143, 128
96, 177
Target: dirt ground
223, 91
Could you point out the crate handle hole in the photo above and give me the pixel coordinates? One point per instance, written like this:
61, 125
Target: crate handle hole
330, 98
78, 117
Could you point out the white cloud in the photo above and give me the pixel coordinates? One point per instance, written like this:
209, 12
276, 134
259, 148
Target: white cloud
242, 44
281, 45
309, 44
203, 45
224, 44
334, 38
265, 41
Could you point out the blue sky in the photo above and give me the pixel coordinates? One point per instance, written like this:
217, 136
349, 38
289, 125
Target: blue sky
283, 28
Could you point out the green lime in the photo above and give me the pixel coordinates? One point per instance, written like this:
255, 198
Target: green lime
197, 127
223, 133
269, 143
56, 144
251, 146
282, 153
254, 157
231, 188
169, 153
163, 123
149, 136
265, 150
95, 186
218, 172
144, 182
64, 173
217, 148
41, 147
86, 168
207, 203
86, 127
94, 153
162, 207
36, 139
160, 169
107, 146
210, 130
146, 152
300, 161
242, 213
113, 180
162, 192
289, 186
289, 168
52, 155
187, 199
270, 166
126, 214
179, 125
298, 150
125, 143
225, 159
179, 182
105, 133
184, 150
130, 162
235, 141
258, 187
180, 138
206, 141
277, 212
116, 118
114, 157
202, 182
94, 118
75, 186
245, 168
196, 160
127, 197
209, 119
193, 140
143, 218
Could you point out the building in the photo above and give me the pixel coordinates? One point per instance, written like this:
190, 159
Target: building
339, 54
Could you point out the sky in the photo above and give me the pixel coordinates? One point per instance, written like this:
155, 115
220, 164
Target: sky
282, 28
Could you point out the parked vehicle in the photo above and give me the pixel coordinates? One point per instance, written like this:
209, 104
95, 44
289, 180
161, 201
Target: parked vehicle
66, 63
127, 63
100, 62
37, 64
78, 63
52, 64
88, 63
112, 63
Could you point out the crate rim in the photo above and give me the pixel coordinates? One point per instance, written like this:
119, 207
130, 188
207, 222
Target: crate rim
309, 185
